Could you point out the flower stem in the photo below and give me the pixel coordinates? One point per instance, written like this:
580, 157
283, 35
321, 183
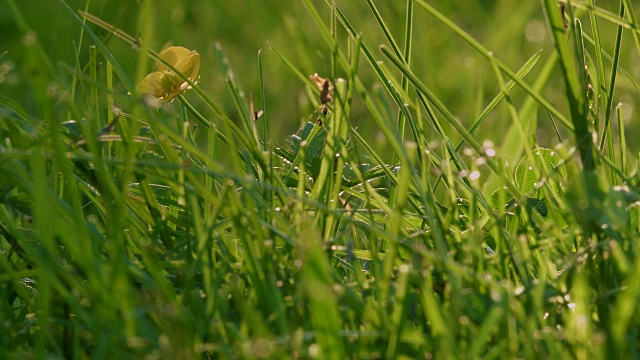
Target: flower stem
193, 111
201, 119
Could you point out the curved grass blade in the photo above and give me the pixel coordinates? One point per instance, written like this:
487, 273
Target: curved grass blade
486, 53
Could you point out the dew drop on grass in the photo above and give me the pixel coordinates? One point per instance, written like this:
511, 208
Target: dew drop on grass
314, 350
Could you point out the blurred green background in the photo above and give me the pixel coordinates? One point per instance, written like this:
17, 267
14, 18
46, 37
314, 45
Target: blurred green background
461, 78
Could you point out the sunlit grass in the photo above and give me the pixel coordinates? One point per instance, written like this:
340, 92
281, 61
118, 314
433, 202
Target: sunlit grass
408, 217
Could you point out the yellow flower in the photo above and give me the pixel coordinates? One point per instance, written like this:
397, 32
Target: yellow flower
165, 84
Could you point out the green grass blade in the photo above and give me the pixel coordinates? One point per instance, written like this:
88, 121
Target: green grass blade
612, 82
575, 90
486, 53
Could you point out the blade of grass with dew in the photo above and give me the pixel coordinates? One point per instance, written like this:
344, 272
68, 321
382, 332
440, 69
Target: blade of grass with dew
421, 88
513, 113
527, 112
504, 91
390, 84
573, 83
622, 141
626, 74
393, 139
263, 102
386, 81
340, 129
486, 53
602, 89
513, 140
612, 82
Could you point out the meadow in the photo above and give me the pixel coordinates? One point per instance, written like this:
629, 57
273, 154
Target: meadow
319, 179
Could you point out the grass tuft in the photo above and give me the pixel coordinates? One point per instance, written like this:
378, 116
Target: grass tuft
427, 206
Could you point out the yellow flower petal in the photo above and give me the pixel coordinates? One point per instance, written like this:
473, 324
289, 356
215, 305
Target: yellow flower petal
169, 86
149, 84
165, 84
189, 66
172, 55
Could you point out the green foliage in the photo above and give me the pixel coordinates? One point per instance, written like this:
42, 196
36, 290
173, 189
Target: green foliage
186, 230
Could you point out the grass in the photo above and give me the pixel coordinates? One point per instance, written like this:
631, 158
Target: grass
453, 191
